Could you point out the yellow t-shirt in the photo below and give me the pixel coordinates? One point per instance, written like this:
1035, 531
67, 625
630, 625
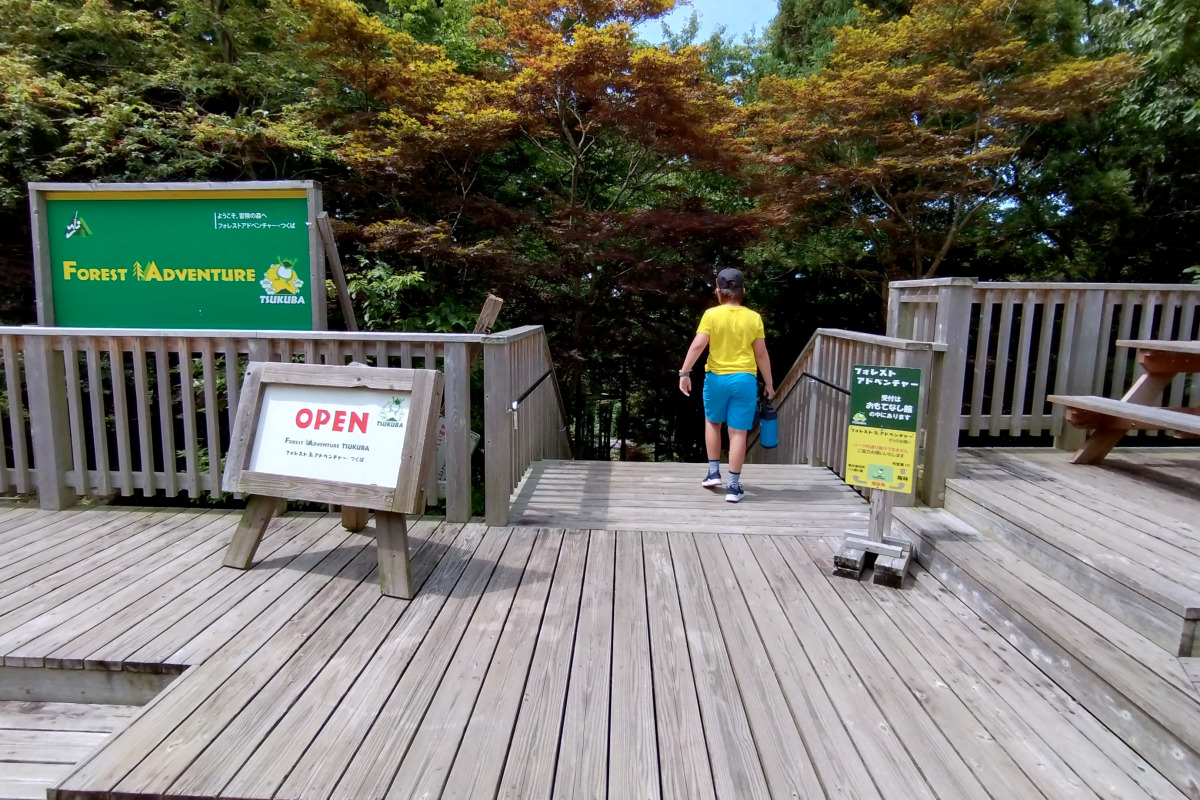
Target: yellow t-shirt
732, 331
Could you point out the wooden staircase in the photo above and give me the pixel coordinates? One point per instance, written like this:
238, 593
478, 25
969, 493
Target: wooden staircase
1115, 545
1061, 564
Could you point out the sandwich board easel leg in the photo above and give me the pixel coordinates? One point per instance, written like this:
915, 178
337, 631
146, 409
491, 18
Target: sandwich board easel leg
391, 540
354, 519
259, 511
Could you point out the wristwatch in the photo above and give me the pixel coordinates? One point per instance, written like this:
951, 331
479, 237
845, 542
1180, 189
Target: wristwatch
683, 373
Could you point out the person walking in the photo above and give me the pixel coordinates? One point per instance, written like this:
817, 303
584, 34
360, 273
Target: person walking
737, 349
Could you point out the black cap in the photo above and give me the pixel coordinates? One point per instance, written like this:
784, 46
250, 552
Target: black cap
730, 278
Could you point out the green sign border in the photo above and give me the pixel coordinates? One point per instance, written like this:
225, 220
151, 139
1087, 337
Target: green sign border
868, 388
41, 244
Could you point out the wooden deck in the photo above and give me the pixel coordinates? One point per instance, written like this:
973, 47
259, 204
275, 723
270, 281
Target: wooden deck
1090, 572
1125, 534
537, 662
40, 743
626, 496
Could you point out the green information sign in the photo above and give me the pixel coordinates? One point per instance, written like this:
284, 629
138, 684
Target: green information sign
204, 256
881, 443
885, 397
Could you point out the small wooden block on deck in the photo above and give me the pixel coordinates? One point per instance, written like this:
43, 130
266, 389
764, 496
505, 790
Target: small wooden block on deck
891, 557
849, 562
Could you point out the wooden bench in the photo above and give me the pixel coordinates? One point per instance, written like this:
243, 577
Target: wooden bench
1103, 413
1162, 363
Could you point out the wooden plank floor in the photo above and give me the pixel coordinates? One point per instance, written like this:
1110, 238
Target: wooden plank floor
622, 496
1125, 533
41, 742
695, 656
541, 663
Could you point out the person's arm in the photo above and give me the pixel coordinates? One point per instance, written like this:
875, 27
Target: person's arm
693, 355
764, 366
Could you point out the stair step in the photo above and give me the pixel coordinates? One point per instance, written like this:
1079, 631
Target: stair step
1132, 685
1142, 588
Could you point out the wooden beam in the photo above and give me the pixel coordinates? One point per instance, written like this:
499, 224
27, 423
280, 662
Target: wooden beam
488, 314
45, 380
354, 519
1094, 420
1169, 362
497, 431
395, 569
335, 268
483, 326
255, 519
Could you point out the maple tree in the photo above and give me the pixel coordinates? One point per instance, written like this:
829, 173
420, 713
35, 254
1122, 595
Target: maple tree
602, 199
913, 128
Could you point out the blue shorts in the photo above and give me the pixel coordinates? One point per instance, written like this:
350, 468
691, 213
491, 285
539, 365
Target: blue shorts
731, 398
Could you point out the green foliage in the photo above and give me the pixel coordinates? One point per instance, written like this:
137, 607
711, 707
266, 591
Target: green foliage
538, 150
1116, 195
802, 34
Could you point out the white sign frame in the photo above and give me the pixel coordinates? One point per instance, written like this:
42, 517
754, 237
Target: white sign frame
404, 495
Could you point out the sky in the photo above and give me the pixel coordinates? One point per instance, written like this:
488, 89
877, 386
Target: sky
738, 17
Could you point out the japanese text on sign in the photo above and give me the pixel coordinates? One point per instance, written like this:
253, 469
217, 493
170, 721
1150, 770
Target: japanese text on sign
881, 443
331, 434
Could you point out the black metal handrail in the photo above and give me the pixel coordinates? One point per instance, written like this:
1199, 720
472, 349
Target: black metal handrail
824, 382
517, 403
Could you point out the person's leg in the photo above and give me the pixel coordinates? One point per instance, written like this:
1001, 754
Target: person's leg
712, 439
737, 450
743, 397
714, 414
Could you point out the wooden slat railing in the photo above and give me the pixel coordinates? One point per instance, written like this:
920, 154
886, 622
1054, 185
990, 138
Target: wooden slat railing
16, 458
524, 418
1021, 342
104, 411
813, 415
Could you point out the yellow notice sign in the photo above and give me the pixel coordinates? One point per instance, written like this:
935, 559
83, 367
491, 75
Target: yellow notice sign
877, 458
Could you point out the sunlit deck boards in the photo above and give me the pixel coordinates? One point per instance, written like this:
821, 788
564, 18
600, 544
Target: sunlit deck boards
141, 589
622, 496
1125, 533
538, 663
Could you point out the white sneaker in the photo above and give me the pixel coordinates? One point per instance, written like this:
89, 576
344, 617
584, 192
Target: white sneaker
734, 493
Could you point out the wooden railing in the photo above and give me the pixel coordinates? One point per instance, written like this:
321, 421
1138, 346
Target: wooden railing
813, 409
102, 411
1017, 343
524, 417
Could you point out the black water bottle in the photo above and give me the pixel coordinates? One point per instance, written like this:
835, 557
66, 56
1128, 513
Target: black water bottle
768, 427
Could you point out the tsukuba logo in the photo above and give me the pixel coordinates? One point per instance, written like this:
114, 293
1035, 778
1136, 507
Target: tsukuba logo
77, 227
281, 284
392, 414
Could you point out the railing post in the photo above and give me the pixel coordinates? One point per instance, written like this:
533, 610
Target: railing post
811, 408
1081, 364
497, 431
944, 419
458, 437
259, 350
51, 427
924, 361
901, 319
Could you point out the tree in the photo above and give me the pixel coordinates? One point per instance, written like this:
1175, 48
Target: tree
618, 192
917, 126
1116, 195
108, 91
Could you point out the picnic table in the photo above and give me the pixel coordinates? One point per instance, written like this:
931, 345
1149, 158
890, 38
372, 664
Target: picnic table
1138, 410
